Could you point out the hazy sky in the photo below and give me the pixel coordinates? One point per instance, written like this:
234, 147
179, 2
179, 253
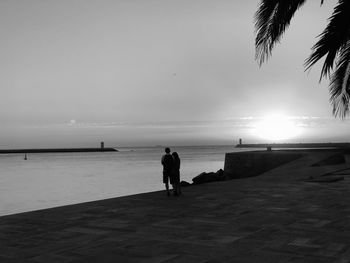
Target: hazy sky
146, 72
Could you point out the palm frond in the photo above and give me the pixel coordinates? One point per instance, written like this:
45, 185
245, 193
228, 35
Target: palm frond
262, 25
271, 20
340, 83
332, 38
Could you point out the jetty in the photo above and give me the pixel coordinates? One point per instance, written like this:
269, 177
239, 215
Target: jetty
341, 145
58, 150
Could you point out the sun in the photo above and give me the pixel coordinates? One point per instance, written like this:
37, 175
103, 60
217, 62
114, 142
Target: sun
276, 128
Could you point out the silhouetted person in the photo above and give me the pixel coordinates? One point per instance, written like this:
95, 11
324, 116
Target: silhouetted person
168, 163
175, 178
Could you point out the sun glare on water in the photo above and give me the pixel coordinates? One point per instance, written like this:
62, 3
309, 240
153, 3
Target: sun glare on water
276, 128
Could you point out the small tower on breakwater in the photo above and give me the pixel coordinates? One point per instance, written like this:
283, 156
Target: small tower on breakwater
102, 145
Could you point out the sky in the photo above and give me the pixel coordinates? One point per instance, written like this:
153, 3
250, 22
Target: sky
155, 72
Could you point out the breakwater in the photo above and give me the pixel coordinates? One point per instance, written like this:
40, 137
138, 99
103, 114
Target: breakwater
247, 164
294, 145
58, 150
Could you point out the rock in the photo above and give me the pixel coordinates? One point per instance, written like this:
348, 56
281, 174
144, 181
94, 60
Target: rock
209, 177
184, 183
220, 173
199, 179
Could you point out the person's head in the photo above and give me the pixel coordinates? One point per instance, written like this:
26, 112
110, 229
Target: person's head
167, 150
175, 155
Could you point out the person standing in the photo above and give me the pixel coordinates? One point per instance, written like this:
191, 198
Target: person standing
175, 178
168, 163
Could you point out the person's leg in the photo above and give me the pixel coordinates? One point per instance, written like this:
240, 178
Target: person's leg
179, 188
166, 182
177, 183
171, 178
167, 188
174, 189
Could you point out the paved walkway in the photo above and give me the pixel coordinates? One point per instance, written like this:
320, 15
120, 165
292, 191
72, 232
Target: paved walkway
275, 217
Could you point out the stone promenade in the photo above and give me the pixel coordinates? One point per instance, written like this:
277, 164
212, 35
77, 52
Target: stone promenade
274, 217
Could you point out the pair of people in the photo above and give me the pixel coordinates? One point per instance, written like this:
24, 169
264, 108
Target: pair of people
171, 171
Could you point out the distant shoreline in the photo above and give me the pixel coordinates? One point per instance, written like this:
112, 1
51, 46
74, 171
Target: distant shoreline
58, 150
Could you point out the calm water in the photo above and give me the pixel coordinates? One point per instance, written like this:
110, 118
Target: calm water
55, 179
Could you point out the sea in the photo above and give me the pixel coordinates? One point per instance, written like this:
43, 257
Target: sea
48, 180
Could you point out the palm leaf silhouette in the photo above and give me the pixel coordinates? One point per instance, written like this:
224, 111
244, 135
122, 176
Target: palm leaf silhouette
272, 19
332, 39
340, 83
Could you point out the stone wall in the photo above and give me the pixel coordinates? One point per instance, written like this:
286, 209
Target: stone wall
247, 164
